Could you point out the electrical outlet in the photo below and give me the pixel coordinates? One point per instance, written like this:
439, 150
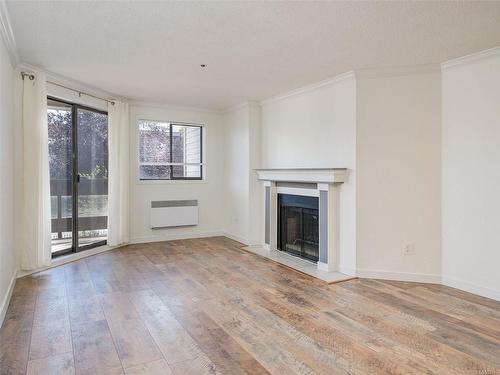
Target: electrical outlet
409, 249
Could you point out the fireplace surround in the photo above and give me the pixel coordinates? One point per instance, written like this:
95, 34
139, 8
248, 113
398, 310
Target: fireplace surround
322, 184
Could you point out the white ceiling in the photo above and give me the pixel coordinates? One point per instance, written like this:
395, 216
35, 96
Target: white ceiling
152, 51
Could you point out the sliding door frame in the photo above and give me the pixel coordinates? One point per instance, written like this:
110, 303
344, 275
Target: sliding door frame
76, 178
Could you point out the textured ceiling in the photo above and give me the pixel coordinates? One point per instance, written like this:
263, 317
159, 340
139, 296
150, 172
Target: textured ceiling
152, 51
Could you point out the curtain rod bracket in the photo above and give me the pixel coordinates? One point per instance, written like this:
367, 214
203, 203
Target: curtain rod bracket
29, 75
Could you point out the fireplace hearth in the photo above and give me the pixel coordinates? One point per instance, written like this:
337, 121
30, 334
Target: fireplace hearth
298, 225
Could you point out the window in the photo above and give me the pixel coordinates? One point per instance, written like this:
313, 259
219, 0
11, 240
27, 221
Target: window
169, 151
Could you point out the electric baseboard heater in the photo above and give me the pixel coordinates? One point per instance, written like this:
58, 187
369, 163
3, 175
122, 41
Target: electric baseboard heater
178, 213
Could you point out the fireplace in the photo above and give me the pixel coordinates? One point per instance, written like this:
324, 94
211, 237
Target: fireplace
302, 216
298, 225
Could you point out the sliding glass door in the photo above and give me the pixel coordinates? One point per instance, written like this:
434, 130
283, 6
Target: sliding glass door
78, 156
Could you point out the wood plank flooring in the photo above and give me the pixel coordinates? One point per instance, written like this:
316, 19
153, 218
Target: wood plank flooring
205, 306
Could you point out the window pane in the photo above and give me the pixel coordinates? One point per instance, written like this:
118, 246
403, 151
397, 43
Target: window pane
187, 171
154, 142
66, 206
92, 128
92, 206
154, 172
60, 133
186, 144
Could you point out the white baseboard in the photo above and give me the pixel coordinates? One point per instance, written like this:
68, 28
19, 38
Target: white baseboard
399, 276
59, 261
6, 298
237, 238
175, 236
471, 288
347, 270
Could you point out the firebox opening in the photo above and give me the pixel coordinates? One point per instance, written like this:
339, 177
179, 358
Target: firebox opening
298, 225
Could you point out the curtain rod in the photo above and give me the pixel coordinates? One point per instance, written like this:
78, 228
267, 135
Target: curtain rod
80, 93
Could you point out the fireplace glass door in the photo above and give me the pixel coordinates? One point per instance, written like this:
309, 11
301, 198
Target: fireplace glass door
292, 230
298, 226
310, 234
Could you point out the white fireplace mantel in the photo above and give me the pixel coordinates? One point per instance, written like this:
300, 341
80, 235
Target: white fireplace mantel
315, 175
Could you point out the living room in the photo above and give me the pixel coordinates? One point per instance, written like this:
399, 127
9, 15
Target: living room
260, 187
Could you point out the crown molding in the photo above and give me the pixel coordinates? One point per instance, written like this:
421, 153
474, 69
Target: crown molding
309, 88
395, 71
237, 107
473, 57
356, 74
7, 34
144, 103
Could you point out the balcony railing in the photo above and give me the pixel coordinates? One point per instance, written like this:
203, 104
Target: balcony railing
92, 207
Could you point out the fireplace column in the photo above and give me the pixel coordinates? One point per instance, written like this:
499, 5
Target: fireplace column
328, 226
271, 215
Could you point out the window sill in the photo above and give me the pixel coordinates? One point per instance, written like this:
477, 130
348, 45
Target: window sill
168, 182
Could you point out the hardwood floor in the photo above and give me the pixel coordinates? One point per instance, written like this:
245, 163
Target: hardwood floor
205, 306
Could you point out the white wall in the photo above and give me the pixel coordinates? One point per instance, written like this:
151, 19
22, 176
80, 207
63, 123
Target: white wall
398, 176
471, 175
316, 127
8, 261
237, 173
256, 212
209, 192
242, 155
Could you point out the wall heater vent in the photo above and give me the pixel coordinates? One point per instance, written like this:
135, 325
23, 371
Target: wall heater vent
166, 214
